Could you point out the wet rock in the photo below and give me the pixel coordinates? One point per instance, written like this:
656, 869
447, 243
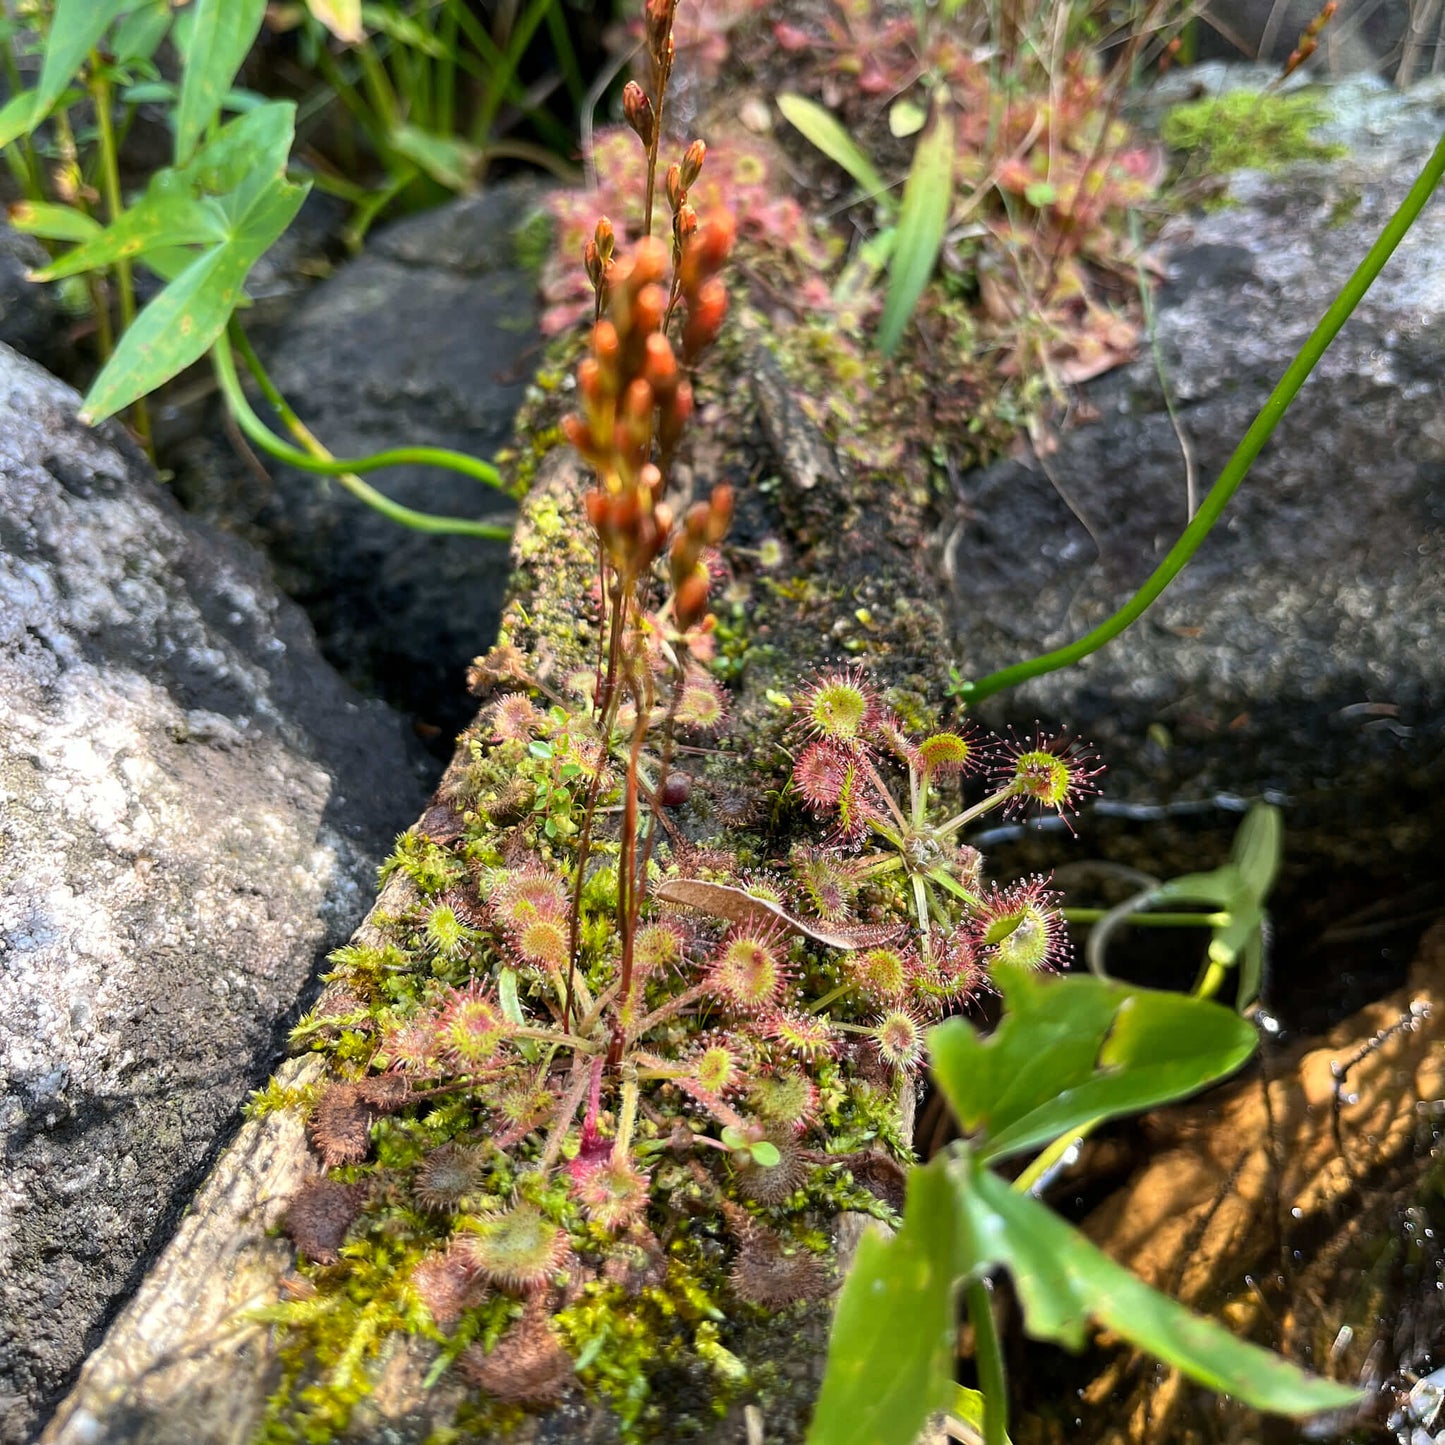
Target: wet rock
1300, 654
184, 831
428, 338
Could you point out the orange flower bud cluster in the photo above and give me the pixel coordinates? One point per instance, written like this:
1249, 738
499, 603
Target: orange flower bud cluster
1310, 40
705, 525
633, 396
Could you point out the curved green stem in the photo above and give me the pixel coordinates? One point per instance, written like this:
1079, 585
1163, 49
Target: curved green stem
988, 1355
322, 461
315, 458
1239, 464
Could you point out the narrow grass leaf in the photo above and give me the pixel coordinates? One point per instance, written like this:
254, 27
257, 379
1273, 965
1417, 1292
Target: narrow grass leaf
222, 32
890, 1355
922, 222
819, 127
446, 159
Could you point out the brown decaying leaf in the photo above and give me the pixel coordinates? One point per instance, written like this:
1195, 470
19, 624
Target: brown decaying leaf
733, 905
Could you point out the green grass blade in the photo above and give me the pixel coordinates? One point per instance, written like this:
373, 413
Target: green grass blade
927, 200
222, 32
821, 129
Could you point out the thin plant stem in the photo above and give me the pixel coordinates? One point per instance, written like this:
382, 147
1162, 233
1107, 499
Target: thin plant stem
988, 1354
328, 465
100, 94
316, 458
94, 280
1234, 473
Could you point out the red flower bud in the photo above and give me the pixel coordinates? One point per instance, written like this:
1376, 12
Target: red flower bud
659, 366
637, 108
649, 307
708, 249
690, 601
720, 513
692, 160
676, 191
704, 319
604, 238
649, 261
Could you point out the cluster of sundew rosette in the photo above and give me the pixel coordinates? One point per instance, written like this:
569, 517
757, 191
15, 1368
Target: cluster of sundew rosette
832, 965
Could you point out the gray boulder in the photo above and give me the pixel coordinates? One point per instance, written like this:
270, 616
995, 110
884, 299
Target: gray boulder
429, 337
1301, 653
192, 805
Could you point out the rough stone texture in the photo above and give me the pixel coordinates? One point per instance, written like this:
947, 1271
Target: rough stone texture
1301, 653
427, 338
30, 316
184, 829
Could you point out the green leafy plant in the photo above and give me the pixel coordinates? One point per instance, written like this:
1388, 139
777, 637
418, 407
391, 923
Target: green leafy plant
1067, 1053
1021, 158
424, 83
200, 225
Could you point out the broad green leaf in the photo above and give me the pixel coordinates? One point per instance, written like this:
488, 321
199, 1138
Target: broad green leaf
1063, 1281
74, 32
1071, 1050
238, 180
139, 35
221, 34
890, 1355
341, 17
53, 222
448, 161
823, 130
927, 200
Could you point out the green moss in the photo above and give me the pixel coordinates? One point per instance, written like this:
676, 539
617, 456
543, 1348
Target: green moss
1256, 130
431, 868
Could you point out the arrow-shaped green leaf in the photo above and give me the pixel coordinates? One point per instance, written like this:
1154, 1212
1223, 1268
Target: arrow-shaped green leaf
245, 163
1064, 1281
1071, 1050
